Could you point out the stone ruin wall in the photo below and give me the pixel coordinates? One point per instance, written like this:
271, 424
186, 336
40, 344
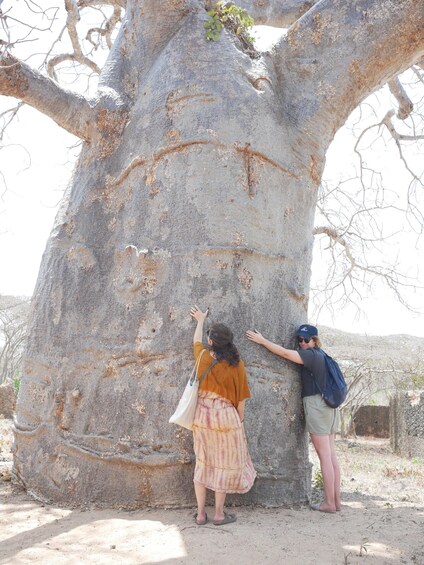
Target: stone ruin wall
372, 421
407, 423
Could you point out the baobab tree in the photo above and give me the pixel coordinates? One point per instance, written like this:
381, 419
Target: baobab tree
197, 182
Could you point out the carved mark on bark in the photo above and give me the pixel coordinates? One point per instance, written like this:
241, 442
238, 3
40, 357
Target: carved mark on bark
122, 360
240, 251
157, 157
248, 165
314, 169
150, 459
137, 162
175, 103
298, 297
152, 163
262, 158
255, 82
29, 431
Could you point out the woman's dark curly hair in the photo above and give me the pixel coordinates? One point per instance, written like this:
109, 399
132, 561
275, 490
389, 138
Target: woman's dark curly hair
222, 344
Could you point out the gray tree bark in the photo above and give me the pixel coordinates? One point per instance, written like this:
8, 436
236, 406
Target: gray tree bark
197, 183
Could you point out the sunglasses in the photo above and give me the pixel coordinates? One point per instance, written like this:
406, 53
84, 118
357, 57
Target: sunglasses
302, 339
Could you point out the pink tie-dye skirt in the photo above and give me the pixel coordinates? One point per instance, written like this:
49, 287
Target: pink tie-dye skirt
223, 461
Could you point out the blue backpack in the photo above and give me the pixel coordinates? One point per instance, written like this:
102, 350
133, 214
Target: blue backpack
335, 390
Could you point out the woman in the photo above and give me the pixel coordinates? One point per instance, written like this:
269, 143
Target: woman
321, 421
223, 462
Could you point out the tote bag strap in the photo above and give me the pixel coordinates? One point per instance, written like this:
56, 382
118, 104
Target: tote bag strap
196, 366
214, 362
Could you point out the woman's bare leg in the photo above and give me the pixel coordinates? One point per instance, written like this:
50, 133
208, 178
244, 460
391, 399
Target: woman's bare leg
200, 491
336, 468
219, 505
324, 450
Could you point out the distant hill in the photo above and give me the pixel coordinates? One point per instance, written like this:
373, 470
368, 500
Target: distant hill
378, 365
379, 351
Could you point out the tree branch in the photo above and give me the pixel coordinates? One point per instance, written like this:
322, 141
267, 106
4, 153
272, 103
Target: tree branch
346, 277
105, 31
339, 52
405, 104
11, 113
77, 55
70, 111
337, 238
397, 138
387, 121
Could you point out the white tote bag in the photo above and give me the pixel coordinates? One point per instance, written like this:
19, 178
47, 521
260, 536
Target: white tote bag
184, 414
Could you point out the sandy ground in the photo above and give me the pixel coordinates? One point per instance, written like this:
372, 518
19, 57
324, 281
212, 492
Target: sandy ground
382, 522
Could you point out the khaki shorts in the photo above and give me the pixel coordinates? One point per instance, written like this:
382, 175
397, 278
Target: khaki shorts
320, 418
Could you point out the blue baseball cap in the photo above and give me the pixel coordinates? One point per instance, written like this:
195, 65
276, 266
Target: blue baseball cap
306, 330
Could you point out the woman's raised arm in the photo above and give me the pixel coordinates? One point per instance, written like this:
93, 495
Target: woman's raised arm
289, 354
200, 317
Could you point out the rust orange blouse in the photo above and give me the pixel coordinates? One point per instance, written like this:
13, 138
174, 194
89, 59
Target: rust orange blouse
223, 379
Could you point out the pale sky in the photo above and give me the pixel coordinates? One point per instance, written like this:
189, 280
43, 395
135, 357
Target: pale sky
36, 164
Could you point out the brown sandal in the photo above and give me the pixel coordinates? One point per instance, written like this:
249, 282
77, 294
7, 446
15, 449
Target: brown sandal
318, 507
201, 522
228, 519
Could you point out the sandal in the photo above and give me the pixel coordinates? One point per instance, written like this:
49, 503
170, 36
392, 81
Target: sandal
319, 509
201, 522
228, 519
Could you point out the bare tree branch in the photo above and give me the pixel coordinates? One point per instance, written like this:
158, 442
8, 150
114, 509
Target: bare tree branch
390, 276
387, 121
420, 63
8, 117
405, 104
363, 214
77, 55
107, 30
70, 111
318, 51
397, 137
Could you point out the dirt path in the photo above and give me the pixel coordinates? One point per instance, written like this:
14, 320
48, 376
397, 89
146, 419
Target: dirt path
382, 522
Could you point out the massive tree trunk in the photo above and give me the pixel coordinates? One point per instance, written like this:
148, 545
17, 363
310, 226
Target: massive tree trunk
197, 182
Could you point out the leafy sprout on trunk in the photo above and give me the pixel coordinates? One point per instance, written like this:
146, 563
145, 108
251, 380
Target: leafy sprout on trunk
233, 18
